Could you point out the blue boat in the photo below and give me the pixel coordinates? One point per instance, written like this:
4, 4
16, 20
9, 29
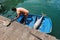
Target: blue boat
45, 27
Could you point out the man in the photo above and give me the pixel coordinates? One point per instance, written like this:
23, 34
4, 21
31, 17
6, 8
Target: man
21, 11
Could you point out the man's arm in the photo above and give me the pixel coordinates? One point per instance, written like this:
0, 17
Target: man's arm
18, 14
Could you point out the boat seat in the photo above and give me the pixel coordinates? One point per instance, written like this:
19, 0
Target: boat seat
29, 19
31, 25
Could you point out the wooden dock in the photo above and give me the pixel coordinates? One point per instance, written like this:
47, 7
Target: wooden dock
17, 31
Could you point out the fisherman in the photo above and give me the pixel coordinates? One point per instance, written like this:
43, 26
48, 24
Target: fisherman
21, 11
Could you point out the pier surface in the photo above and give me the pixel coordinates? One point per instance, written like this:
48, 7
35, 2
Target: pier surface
17, 31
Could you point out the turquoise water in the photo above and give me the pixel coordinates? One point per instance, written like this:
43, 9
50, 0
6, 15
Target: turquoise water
50, 7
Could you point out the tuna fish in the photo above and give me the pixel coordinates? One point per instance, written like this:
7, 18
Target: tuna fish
38, 22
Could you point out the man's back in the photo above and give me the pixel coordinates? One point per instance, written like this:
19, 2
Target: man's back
22, 10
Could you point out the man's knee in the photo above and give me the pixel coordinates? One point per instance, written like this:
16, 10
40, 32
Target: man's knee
26, 14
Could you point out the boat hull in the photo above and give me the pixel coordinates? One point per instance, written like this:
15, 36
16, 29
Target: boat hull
45, 27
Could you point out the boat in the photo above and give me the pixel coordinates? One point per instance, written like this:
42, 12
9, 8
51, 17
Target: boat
45, 27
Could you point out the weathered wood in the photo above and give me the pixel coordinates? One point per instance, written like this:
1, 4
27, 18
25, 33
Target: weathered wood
17, 31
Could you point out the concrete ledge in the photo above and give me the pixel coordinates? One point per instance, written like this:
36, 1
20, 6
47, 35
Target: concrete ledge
17, 31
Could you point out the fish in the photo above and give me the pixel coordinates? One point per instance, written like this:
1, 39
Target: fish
38, 22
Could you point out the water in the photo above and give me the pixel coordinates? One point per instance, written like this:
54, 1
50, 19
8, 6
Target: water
50, 7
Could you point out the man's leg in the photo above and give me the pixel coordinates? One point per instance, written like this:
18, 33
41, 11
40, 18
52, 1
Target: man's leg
25, 17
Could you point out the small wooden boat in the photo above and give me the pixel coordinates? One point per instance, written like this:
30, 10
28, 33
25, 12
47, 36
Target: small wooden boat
46, 24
